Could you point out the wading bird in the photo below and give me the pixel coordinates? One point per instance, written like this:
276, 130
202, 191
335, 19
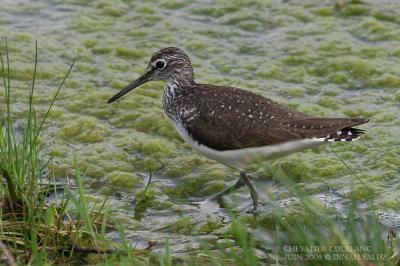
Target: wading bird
235, 126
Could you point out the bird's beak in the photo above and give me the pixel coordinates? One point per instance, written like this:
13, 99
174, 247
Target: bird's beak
134, 84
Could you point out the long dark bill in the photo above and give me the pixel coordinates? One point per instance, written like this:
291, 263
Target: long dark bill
136, 83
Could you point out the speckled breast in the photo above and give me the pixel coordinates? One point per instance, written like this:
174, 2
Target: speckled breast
171, 102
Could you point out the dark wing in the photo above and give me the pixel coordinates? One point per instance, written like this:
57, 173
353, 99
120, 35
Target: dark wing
327, 129
231, 118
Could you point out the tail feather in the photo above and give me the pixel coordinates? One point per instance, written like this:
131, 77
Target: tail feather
330, 129
345, 134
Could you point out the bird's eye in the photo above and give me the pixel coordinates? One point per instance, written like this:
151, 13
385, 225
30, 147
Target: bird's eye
160, 64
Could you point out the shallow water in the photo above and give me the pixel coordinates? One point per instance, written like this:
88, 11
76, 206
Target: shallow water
308, 56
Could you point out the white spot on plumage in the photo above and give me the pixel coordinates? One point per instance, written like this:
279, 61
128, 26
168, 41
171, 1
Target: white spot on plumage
250, 116
191, 118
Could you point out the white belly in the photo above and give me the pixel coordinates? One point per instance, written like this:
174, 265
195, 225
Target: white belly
240, 158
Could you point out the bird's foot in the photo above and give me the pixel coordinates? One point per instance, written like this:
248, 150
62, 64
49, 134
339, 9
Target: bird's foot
255, 211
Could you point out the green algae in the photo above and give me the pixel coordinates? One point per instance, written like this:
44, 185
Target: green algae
373, 52
214, 12
360, 112
153, 124
58, 151
212, 223
123, 179
102, 50
397, 95
182, 166
271, 73
373, 30
295, 169
25, 74
353, 66
310, 56
323, 11
213, 187
174, 4
393, 204
114, 11
328, 102
86, 24
155, 148
387, 80
201, 183
85, 129
184, 226
129, 53
251, 25
144, 199
362, 192
354, 10
396, 52
89, 43
386, 15
87, 68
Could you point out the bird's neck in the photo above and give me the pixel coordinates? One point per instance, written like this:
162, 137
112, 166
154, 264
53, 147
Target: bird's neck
175, 88
183, 76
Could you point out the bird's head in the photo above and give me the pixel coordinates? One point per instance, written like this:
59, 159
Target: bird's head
168, 64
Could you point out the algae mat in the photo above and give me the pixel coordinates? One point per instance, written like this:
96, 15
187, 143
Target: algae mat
308, 55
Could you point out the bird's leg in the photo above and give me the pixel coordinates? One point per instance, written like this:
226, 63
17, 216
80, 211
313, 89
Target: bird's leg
227, 190
253, 192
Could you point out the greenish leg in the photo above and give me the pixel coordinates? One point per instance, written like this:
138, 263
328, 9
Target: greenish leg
253, 192
244, 180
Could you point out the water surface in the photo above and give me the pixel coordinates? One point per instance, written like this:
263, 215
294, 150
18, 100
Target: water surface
308, 55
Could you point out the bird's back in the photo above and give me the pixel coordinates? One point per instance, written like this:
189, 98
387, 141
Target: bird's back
225, 118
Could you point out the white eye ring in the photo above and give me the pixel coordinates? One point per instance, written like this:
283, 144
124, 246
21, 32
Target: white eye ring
160, 64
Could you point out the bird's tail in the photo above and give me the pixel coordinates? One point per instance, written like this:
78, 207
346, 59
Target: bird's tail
345, 134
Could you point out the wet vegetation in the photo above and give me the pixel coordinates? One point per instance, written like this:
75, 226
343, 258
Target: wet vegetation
83, 182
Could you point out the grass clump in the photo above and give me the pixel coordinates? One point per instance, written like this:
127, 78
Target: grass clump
33, 227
